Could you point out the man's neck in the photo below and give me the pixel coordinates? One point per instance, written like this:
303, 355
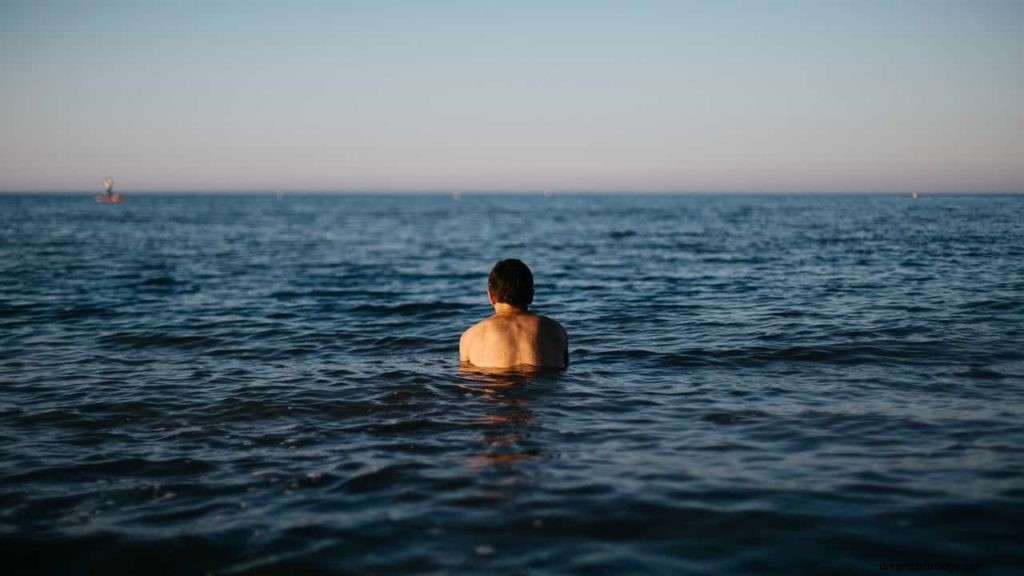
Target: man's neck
502, 309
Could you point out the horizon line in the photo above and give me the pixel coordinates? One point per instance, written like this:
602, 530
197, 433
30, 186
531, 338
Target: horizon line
509, 192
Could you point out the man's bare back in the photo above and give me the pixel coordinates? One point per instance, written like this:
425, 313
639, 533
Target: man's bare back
517, 338
514, 336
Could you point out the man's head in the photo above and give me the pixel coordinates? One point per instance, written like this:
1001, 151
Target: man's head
511, 282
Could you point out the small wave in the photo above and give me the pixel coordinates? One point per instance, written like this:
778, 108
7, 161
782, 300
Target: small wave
620, 234
994, 305
846, 354
378, 479
159, 281
409, 308
734, 417
385, 344
8, 309
184, 342
136, 467
161, 285
340, 293
981, 374
83, 311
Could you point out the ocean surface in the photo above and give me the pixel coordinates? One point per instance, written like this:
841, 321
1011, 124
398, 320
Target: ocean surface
772, 384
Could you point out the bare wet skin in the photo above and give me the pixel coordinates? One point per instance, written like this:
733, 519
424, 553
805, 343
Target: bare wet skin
513, 337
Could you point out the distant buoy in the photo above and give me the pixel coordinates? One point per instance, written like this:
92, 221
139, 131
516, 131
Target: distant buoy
913, 195
108, 196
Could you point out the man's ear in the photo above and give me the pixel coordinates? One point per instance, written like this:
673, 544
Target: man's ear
490, 298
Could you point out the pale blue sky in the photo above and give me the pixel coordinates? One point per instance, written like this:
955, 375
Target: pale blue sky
894, 95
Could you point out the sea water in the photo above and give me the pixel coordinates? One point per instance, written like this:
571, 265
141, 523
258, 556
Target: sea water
771, 384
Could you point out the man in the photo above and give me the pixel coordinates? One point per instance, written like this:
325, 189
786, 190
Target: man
514, 336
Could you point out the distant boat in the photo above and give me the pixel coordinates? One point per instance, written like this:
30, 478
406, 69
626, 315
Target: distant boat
913, 195
108, 196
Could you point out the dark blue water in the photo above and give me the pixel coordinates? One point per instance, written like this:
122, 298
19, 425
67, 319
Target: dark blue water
759, 385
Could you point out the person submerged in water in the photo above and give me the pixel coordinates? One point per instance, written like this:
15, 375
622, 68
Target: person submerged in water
513, 336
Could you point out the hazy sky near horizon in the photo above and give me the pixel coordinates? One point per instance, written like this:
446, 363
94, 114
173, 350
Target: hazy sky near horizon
434, 95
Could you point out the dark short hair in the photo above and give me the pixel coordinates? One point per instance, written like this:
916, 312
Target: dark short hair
511, 282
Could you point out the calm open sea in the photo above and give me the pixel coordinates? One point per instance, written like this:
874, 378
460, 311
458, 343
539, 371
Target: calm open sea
759, 385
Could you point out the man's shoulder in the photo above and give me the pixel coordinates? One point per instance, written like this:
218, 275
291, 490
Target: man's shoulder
470, 339
551, 322
476, 328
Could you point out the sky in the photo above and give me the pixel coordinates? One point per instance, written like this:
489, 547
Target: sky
632, 95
